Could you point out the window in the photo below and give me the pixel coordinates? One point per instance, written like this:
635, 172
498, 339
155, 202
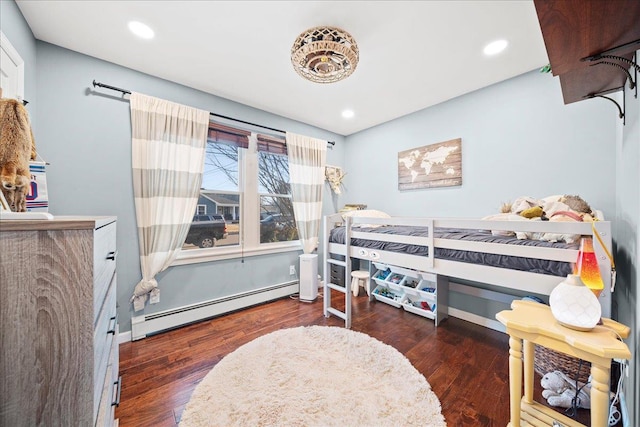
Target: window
245, 195
277, 223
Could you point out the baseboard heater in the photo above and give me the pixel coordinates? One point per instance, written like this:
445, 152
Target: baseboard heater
149, 324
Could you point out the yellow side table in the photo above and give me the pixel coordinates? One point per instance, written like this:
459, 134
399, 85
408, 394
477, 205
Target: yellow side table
530, 323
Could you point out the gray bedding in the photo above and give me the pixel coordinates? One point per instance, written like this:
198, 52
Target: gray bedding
555, 268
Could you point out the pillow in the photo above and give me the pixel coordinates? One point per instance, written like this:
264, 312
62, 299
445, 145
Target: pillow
522, 203
503, 217
366, 213
550, 199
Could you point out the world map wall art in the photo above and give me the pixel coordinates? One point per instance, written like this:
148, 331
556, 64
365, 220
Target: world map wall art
435, 165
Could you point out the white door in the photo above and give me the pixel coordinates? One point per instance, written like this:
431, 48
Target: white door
11, 70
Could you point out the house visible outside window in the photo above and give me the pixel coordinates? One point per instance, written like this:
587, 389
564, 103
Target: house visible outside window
245, 201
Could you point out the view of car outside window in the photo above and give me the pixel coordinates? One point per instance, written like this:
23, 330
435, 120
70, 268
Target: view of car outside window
218, 216
277, 223
216, 221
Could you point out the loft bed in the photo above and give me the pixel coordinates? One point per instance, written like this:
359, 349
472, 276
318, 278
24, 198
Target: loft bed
437, 249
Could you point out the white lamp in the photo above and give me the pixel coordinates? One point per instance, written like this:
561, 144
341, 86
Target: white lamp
574, 305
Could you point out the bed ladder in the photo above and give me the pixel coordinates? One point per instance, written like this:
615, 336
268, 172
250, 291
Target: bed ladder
328, 285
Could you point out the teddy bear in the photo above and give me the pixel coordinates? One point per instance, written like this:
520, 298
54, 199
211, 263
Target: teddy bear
560, 390
17, 148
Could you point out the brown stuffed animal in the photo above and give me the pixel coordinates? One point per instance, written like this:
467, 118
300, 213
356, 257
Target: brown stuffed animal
17, 147
579, 205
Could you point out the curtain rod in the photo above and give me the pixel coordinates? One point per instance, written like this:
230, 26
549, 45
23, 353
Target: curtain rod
128, 92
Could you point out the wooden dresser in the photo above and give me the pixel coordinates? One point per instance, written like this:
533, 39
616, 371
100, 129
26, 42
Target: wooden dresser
58, 324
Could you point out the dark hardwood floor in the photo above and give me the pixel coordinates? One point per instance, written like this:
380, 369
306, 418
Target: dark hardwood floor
466, 364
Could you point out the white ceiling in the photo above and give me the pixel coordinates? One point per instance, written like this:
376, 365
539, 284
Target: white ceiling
413, 54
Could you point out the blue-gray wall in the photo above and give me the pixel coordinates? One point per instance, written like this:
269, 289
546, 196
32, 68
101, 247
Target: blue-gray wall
518, 138
14, 26
627, 258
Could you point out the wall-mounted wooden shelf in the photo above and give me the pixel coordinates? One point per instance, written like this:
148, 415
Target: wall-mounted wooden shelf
577, 29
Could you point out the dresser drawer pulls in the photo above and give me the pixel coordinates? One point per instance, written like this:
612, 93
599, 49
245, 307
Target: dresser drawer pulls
118, 387
112, 329
112, 255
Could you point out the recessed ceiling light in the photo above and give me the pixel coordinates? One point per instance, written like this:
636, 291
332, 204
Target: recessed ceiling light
495, 47
347, 114
141, 30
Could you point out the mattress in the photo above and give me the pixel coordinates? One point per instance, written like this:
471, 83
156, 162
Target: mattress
554, 268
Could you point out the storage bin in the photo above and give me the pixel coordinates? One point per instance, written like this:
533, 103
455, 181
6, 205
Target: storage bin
420, 306
410, 283
547, 360
426, 289
381, 274
395, 278
381, 266
403, 271
428, 277
388, 296
414, 291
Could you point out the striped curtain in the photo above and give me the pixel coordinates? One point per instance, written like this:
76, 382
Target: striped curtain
168, 145
307, 159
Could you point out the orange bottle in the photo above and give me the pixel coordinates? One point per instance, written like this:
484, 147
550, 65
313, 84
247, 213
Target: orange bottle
587, 267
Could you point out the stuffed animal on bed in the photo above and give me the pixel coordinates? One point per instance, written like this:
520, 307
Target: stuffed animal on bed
553, 208
566, 208
17, 147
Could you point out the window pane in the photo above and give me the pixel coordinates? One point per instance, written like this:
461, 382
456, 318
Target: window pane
277, 223
216, 221
221, 167
273, 174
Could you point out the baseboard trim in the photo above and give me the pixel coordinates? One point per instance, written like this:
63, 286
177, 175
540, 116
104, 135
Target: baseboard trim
478, 320
124, 337
142, 326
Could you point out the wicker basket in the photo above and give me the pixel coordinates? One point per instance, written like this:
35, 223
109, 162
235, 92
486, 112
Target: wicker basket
547, 360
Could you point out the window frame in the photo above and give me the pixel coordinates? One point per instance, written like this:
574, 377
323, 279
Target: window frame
249, 241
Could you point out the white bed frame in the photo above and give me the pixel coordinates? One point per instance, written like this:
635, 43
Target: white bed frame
535, 283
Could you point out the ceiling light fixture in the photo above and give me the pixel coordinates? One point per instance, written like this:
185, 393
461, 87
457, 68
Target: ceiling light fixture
347, 114
495, 47
141, 30
324, 54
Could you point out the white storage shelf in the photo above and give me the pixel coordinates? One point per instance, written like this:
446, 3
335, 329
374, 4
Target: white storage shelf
416, 292
421, 306
388, 296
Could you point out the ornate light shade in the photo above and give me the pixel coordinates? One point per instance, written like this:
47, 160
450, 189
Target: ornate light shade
324, 54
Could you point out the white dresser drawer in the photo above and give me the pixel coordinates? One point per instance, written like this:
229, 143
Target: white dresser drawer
103, 339
104, 260
111, 390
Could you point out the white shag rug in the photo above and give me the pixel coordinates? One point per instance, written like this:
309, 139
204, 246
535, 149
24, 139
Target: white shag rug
313, 376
